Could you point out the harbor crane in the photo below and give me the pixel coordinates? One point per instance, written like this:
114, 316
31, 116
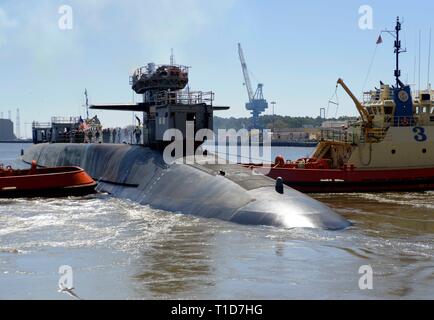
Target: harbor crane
257, 104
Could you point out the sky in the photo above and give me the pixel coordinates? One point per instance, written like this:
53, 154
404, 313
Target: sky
297, 49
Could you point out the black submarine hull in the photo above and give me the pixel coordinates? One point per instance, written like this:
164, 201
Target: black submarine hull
228, 192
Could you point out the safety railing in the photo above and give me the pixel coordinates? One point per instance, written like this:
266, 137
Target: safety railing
161, 70
41, 125
375, 96
196, 97
65, 120
338, 136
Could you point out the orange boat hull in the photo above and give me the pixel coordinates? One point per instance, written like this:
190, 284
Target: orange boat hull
342, 181
45, 182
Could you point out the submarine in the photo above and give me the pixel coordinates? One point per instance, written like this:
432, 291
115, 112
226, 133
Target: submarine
203, 188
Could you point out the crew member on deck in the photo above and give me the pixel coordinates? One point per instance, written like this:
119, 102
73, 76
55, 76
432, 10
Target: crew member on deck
138, 133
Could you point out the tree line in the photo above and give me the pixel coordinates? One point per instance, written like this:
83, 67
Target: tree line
266, 121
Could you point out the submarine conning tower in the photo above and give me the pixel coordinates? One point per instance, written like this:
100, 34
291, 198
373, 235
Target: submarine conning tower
168, 103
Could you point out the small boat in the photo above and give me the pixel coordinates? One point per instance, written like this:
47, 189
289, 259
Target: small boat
389, 148
44, 182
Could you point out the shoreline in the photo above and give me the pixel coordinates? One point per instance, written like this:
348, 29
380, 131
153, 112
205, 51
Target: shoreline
16, 141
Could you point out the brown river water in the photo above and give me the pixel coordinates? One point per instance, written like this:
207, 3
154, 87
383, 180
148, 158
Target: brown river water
120, 250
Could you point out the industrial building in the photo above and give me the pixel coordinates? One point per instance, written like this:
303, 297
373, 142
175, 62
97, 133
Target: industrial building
7, 130
296, 135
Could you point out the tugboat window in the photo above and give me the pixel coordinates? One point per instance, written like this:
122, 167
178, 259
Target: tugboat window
393, 151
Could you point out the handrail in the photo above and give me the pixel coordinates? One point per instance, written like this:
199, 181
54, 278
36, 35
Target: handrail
151, 69
338, 136
65, 120
370, 134
176, 97
41, 125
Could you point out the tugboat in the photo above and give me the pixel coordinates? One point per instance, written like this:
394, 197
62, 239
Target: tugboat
44, 182
390, 147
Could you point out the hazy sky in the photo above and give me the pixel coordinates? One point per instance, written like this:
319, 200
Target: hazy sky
298, 49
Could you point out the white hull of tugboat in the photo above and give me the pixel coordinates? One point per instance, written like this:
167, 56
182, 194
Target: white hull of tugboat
402, 147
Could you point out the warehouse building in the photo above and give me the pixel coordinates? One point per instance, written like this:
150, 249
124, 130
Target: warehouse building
6, 130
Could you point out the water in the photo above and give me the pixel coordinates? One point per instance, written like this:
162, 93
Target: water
118, 249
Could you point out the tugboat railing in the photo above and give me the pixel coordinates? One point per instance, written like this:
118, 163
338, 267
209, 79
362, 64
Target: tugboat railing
377, 133
338, 136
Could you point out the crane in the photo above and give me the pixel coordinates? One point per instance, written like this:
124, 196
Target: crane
362, 110
257, 104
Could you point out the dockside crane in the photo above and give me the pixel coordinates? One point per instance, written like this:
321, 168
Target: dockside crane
257, 104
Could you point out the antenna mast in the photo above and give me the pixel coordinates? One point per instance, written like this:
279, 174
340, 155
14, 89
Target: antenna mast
398, 49
429, 60
420, 36
87, 103
172, 58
